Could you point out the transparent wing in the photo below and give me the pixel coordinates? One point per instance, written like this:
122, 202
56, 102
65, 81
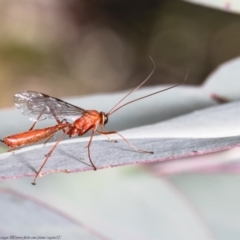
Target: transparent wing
38, 106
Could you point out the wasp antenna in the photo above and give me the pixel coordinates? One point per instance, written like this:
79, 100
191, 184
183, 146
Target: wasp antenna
163, 90
133, 90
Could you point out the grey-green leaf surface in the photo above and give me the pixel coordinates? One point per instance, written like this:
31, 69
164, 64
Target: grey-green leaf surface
37, 220
200, 132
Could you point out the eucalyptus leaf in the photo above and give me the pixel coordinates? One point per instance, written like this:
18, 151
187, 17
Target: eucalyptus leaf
200, 132
38, 220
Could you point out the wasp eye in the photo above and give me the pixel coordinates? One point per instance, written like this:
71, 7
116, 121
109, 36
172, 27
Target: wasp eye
105, 119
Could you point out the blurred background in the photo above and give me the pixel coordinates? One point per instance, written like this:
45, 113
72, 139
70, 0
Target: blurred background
68, 48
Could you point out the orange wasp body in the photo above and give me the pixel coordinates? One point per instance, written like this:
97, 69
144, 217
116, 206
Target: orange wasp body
38, 106
34, 136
